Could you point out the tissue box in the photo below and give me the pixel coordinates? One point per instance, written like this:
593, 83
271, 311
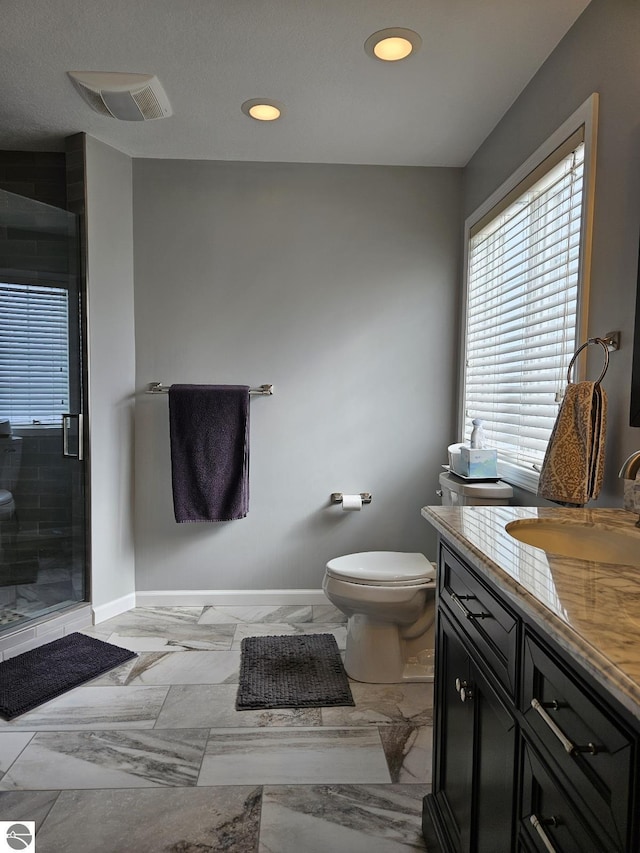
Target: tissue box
477, 463
454, 456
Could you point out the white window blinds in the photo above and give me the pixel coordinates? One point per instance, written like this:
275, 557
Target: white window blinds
522, 297
34, 353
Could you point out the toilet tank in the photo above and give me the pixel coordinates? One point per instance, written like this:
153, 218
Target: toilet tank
457, 492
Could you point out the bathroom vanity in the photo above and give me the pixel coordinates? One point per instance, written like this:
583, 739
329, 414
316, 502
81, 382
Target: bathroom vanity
537, 691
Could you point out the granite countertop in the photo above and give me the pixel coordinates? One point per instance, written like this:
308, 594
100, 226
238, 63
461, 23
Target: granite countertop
591, 609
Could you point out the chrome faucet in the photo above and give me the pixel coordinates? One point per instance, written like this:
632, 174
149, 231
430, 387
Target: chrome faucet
629, 471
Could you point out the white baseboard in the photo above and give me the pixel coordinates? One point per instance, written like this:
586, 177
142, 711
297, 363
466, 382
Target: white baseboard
114, 608
243, 597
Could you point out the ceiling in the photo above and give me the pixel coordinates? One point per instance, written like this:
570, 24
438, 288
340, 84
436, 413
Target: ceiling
342, 106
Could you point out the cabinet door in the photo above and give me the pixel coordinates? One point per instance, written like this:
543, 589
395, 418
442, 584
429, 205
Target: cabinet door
476, 749
494, 769
452, 777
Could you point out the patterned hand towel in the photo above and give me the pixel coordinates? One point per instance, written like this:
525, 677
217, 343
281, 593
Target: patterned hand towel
573, 465
209, 431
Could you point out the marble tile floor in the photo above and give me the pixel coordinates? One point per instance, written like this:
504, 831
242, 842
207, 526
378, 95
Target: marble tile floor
153, 757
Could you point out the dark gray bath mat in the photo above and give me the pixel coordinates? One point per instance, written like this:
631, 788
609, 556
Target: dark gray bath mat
36, 676
300, 671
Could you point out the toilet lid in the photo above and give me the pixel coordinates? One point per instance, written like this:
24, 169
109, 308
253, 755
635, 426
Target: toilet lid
5, 497
382, 568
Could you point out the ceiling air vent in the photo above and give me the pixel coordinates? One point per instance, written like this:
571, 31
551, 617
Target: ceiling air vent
128, 97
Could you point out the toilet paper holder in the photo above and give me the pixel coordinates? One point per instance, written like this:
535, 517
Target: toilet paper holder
336, 497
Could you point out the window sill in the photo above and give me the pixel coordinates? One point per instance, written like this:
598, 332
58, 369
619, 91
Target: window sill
33, 430
524, 478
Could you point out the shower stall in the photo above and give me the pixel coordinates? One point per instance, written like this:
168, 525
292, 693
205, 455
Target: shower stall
43, 565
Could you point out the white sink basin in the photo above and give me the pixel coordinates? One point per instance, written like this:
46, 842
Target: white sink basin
594, 542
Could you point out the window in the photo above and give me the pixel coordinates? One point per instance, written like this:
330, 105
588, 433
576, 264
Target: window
34, 353
526, 287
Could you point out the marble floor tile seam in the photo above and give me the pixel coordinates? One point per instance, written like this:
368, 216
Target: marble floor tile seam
213, 734
222, 708
265, 788
266, 731
202, 637
154, 619
134, 789
102, 754
5, 766
164, 702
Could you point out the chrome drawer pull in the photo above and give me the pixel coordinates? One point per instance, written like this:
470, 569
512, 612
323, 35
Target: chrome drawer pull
468, 614
539, 828
568, 745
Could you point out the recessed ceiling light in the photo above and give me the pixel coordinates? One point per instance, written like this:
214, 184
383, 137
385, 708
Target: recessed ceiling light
262, 109
392, 44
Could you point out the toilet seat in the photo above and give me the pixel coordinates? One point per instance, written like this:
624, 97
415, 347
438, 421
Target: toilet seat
5, 497
383, 569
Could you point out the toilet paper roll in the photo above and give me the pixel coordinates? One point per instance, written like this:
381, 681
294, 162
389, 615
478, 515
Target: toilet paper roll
351, 502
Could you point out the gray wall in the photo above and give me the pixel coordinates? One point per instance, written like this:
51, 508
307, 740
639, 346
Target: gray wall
601, 53
111, 370
339, 285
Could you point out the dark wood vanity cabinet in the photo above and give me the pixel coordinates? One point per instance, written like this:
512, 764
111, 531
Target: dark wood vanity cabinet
528, 753
475, 780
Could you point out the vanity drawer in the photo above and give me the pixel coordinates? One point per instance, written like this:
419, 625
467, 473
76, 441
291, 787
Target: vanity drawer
548, 820
490, 626
589, 745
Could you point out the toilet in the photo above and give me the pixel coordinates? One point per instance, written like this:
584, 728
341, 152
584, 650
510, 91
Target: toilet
388, 598
10, 456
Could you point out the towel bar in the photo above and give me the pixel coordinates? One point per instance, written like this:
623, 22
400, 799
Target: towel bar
159, 388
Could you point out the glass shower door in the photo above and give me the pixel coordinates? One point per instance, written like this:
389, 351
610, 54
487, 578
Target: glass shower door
42, 469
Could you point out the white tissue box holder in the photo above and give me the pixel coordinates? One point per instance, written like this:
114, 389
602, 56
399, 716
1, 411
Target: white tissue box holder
476, 463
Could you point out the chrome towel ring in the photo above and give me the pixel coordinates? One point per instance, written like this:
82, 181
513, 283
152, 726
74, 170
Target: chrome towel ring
604, 343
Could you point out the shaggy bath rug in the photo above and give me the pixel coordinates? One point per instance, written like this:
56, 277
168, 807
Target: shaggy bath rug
300, 671
34, 677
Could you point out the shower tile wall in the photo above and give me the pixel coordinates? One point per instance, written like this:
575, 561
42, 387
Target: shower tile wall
44, 488
38, 175
45, 543
30, 254
41, 563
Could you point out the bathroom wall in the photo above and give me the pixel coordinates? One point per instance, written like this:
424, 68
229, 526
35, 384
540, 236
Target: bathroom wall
111, 368
599, 54
338, 284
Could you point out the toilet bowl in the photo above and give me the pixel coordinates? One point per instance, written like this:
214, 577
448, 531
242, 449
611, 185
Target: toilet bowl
388, 598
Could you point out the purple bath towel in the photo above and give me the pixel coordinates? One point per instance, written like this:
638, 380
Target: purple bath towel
209, 431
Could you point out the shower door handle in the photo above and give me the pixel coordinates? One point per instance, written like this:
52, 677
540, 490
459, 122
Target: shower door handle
66, 427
